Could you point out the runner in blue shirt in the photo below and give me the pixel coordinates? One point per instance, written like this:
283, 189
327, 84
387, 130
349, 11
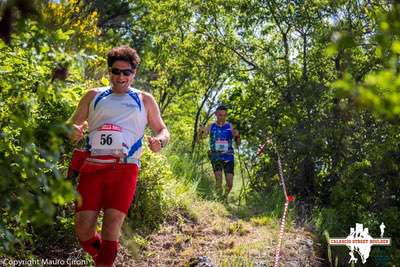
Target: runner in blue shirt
221, 152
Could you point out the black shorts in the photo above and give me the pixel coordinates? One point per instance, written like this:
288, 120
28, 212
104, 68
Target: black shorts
227, 166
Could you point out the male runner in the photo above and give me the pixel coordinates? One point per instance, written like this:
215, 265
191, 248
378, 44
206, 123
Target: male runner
221, 152
116, 117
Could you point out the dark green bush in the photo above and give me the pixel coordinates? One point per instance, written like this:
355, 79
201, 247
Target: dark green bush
151, 204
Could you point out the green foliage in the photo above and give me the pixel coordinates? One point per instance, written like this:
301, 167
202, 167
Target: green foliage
318, 77
32, 180
158, 192
41, 76
378, 89
58, 235
150, 206
328, 99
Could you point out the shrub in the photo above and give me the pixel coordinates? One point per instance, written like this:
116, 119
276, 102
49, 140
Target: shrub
150, 206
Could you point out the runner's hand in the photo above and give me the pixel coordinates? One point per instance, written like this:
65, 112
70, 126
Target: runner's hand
154, 144
202, 132
77, 132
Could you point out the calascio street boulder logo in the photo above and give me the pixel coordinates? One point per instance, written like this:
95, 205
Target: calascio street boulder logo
359, 240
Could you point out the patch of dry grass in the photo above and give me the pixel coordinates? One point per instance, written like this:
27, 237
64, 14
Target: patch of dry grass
226, 240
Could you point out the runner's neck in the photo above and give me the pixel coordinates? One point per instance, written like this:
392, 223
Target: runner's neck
120, 92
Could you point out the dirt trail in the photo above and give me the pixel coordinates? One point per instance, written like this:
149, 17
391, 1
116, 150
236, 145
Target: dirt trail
222, 238
212, 232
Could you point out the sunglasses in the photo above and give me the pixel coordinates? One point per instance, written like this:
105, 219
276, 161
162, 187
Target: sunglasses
125, 72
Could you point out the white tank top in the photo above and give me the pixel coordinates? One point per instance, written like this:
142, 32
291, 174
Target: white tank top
126, 112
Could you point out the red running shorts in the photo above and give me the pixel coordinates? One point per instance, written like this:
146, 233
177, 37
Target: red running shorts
106, 185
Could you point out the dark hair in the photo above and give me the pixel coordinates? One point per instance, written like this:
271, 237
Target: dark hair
124, 53
222, 107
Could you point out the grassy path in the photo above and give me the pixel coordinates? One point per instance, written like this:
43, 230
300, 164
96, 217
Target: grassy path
226, 240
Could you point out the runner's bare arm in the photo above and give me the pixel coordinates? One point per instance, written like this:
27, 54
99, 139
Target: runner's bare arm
204, 131
156, 123
236, 135
79, 117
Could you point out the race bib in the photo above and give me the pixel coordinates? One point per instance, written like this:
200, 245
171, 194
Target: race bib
107, 140
221, 145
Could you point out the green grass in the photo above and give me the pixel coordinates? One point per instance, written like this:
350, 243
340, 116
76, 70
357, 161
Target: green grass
196, 172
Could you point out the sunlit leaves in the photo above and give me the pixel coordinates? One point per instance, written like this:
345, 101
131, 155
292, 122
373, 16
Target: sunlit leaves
42, 78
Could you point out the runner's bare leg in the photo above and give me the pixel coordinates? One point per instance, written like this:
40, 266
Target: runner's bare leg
85, 224
218, 181
112, 223
111, 231
229, 183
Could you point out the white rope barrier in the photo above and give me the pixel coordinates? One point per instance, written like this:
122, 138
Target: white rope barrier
283, 221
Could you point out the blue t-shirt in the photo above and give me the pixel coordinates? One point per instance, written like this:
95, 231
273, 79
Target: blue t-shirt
221, 142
